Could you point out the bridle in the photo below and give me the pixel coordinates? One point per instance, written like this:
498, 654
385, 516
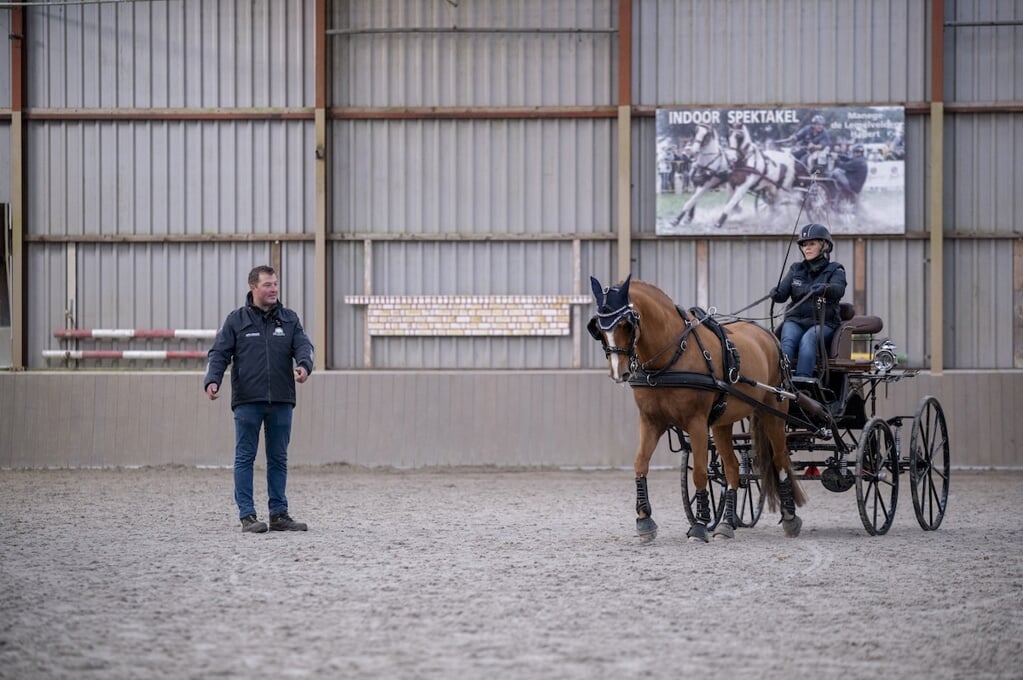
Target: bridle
608, 321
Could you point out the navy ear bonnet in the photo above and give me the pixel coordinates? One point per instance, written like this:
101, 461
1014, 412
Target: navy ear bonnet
612, 305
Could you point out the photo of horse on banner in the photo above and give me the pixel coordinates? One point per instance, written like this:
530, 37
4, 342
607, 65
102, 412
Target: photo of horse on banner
754, 171
710, 168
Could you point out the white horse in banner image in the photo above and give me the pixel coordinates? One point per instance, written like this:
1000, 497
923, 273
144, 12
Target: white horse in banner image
711, 167
763, 173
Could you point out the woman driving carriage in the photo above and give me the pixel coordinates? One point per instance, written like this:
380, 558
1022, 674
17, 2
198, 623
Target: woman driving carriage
815, 286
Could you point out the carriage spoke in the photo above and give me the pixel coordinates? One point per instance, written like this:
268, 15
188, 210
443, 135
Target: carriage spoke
877, 476
929, 463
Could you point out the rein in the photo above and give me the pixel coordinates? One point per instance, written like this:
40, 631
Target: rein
642, 376
679, 343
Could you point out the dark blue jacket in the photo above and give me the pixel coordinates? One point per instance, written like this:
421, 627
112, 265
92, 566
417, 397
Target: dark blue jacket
855, 168
800, 280
262, 346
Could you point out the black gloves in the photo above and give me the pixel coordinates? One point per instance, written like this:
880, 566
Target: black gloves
773, 294
818, 289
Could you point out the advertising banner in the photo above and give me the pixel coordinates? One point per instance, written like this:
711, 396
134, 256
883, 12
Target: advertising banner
761, 171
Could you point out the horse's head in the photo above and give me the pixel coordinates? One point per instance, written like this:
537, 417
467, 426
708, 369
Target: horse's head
615, 326
703, 136
738, 138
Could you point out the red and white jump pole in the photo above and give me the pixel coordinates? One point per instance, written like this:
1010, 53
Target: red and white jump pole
129, 333
141, 355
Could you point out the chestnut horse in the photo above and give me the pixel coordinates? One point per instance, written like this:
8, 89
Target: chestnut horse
686, 374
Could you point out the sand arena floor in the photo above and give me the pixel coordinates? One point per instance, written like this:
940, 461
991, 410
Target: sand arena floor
497, 574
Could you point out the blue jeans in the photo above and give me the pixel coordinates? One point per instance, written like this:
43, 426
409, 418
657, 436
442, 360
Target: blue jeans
276, 421
800, 345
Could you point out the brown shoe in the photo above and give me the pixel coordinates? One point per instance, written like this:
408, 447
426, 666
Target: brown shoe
283, 522
252, 525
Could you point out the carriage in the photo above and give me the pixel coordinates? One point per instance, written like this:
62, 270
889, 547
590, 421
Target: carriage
832, 432
836, 437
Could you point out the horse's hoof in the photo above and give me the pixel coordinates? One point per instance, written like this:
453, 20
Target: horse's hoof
721, 221
724, 530
792, 526
698, 532
675, 221
646, 529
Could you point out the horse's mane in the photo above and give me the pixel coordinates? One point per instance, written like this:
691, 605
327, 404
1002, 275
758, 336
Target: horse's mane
657, 298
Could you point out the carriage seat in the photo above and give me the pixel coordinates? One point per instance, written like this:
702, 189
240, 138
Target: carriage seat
840, 349
851, 323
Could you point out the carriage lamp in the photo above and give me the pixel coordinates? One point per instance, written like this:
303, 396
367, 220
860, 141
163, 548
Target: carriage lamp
884, 356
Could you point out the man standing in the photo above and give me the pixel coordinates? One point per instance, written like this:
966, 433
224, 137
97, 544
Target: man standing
271, 353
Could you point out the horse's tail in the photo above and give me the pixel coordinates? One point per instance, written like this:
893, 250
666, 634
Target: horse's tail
763, 445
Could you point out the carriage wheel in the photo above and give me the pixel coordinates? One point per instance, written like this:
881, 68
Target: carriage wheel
877, 476
716, 485
749, 502
929, 464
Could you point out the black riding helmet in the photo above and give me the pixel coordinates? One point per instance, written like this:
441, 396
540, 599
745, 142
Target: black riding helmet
814, 231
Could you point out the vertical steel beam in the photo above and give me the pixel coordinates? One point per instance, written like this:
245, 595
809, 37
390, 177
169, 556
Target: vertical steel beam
275, 262
367, 289
624, 137
71, 286
575, 312
321, 280
937, 152
703, 273
19, 325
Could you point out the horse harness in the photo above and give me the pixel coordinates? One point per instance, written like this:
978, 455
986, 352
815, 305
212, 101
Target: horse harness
644, 376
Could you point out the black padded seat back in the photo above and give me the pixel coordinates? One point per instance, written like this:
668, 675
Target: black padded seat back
841, 341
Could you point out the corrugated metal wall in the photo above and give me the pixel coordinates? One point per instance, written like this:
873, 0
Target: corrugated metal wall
511, 189
150, 285
140, 222
704, 52
981, 183
199, 53
402, 53
170, 178
495, 177
984, 59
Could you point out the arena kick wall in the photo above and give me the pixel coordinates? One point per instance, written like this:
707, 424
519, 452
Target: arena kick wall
368, 148
409, 419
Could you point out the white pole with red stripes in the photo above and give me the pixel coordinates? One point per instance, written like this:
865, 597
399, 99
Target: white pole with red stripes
129, 334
